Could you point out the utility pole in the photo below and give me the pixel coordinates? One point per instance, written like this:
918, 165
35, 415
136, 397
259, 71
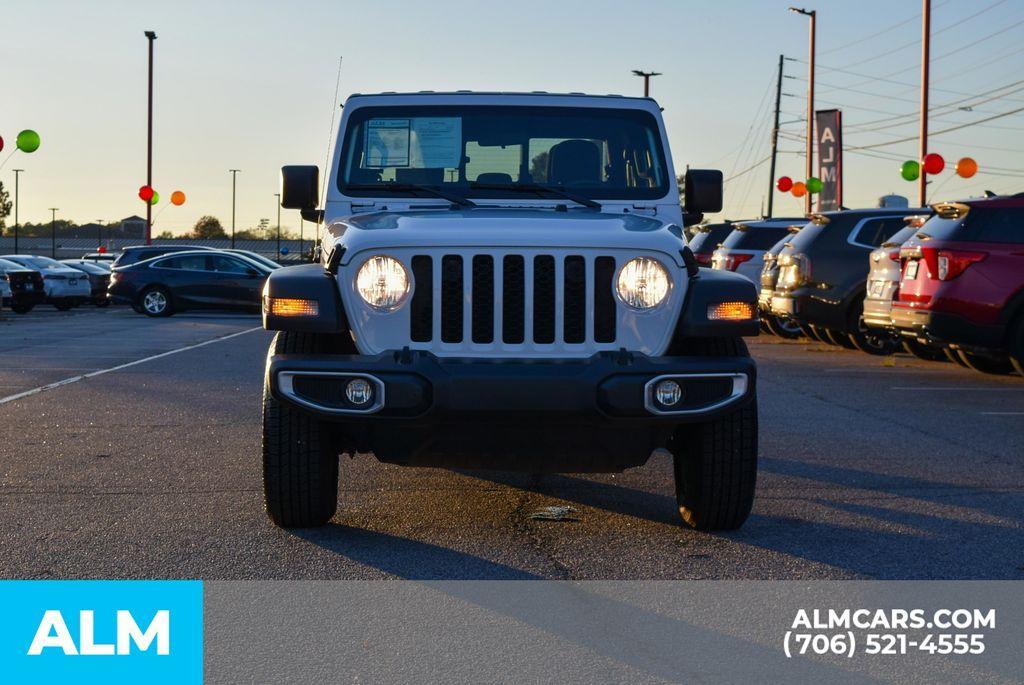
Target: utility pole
775, 139
926, 39
810, 99
17, 172
99, 233
278, 196
234, 176
302, 227
646, 75
150, 36
53, 232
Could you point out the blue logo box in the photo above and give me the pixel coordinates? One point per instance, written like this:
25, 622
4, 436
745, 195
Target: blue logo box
104, 631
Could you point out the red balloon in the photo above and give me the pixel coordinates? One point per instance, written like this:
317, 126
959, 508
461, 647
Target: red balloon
103, 249
784, 184
145, 193
934, 163
1, 143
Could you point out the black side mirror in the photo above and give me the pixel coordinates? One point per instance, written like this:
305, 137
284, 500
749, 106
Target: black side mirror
703, 191
300, 187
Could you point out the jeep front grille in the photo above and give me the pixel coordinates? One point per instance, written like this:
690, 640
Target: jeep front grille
512, 302
586, 286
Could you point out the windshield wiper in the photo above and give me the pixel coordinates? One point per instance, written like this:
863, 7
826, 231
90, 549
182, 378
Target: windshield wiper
415, 187
538, 189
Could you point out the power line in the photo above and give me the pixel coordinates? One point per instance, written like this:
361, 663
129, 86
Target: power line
945, 130
879, 33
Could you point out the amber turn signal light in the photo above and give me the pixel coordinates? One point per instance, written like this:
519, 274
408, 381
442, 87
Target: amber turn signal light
731, 311
288, 306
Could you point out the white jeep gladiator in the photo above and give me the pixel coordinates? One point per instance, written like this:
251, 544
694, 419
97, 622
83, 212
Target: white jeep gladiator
504, 283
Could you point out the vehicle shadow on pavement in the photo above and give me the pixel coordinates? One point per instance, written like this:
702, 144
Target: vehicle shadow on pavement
611, 497
406, 558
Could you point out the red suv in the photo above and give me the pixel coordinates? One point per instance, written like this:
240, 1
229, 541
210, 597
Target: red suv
962, 282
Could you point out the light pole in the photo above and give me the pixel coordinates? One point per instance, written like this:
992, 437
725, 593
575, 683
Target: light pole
302, 228
810, 100
646, 76
278, 196
234, 176
926, 39
150, 37
99, 234
53, 232
17, 173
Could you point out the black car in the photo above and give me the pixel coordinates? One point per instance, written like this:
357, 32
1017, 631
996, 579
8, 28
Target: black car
139, 253
706, 238
199, 279
21, 288
823, 273
99, 278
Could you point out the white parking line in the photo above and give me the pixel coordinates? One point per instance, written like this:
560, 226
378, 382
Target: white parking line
1002, 413
956, 388
92, 374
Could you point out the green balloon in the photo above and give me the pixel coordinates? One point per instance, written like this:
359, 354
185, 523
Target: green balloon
28, 141
156, 198
814, 185
910, 170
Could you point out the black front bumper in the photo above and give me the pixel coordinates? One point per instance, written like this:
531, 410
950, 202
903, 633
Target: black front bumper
593, 414
944, 328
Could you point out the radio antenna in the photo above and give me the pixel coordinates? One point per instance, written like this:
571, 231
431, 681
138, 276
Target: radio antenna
330, 134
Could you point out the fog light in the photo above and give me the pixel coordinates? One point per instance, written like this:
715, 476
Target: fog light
359, 391
668, 393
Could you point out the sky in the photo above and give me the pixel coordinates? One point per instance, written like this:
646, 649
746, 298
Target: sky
251, 85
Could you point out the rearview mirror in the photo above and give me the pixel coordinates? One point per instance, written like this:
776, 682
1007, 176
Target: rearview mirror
300, 187
703, 191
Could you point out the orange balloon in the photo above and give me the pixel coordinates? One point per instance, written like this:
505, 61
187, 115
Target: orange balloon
799, 189
177, 198
966, 167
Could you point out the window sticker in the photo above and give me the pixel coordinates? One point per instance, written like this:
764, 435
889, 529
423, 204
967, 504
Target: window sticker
439, 140
387, 143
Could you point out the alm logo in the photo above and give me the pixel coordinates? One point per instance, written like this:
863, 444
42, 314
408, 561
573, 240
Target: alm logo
53, 633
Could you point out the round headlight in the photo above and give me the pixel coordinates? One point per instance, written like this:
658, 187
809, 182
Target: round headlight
643, 283
382, 282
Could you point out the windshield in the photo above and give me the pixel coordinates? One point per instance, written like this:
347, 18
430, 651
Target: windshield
592, 152
87, 267
751, 238
39, 262
708, 237
996, 225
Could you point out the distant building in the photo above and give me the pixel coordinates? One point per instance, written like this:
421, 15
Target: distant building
893, 201
133, 226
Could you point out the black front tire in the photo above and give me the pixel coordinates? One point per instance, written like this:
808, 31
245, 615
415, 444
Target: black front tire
21, 308
929, 353
782, 328
300, 463
996, 364
62, 305
715, 463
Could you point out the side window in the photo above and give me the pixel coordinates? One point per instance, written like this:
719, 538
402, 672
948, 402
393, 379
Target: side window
227, 265
186, 263
998, 225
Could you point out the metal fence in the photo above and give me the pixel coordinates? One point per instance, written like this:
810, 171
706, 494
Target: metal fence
70, 248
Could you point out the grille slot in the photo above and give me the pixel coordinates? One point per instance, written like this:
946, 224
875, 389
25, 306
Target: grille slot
513, 309
604, 300
574, 309
451, 298
421, 309
544, 299
483, 299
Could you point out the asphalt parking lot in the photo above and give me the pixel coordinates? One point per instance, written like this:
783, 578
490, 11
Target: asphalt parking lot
129, 447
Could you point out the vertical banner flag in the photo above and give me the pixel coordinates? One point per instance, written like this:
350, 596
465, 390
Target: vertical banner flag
830, 159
